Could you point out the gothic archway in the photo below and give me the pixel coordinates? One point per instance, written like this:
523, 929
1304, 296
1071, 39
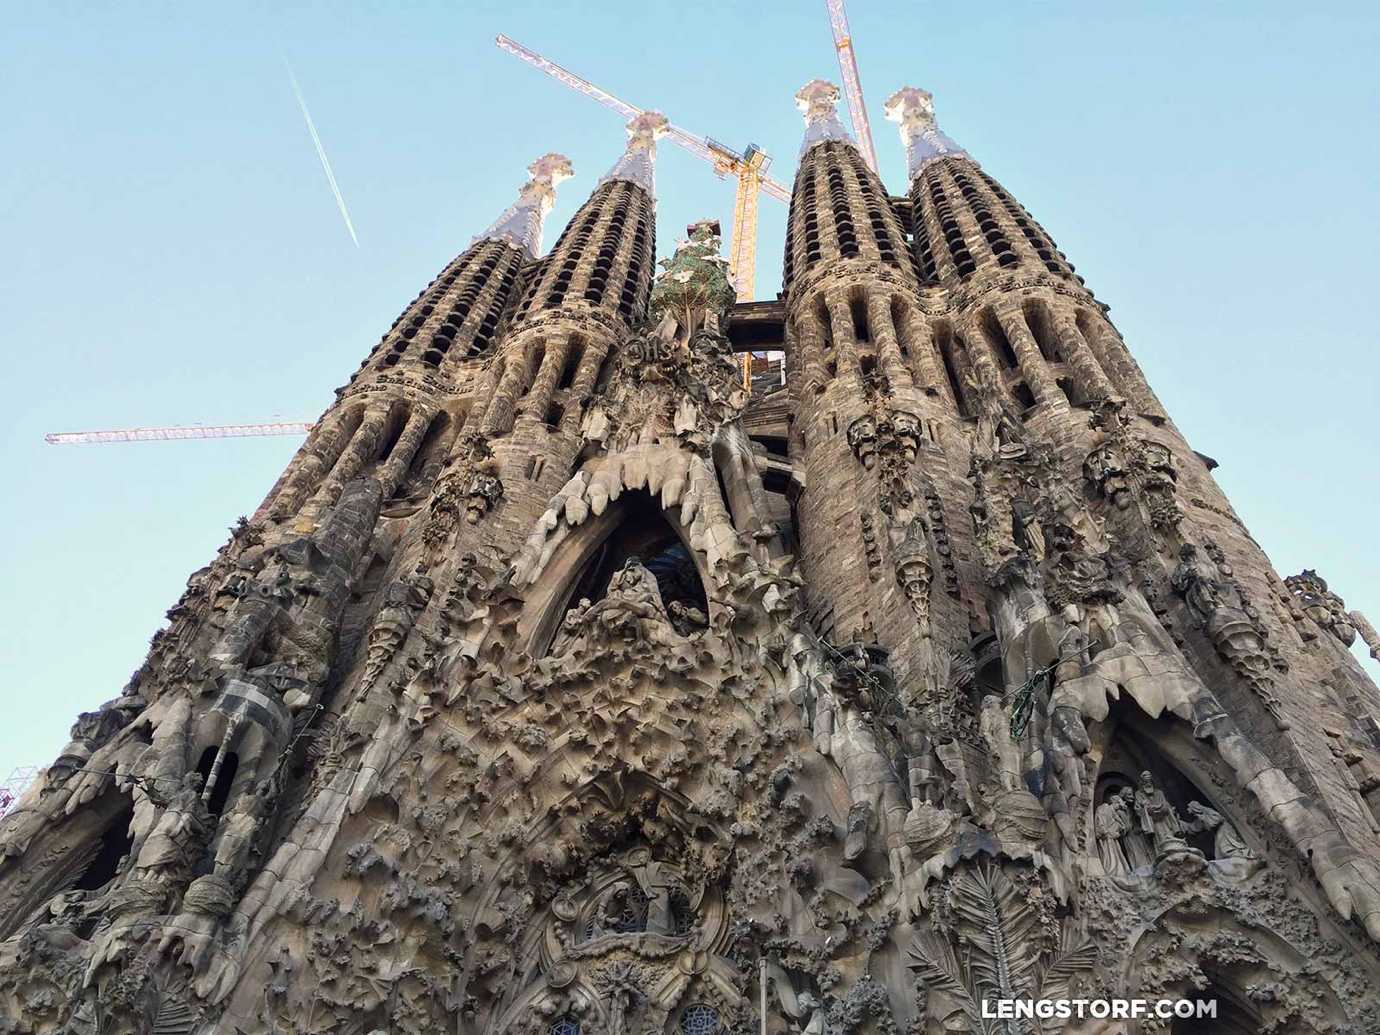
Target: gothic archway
634, 527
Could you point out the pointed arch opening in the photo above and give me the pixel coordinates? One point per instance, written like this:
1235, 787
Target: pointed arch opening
634, 528
1132, 751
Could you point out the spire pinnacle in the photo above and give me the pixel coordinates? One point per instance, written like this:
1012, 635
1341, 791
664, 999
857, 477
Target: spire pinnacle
521, 223
818, 101
639, 158
913, 108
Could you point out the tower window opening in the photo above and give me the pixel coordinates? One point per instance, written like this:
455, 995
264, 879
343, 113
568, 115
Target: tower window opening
395, 429
1067, 387
858, 310
903, 327
223, 780
996, 337
824, 324
534, 361
1023, 394
944, 342
1037, 319
574, 351
428, 452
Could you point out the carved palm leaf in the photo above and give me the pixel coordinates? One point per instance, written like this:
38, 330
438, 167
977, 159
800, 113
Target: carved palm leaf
932, 959
1077, 953
999, 930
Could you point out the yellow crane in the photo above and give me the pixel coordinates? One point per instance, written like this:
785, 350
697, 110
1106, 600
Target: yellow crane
748, 166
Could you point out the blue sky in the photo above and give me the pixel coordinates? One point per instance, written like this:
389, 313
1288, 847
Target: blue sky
173, 253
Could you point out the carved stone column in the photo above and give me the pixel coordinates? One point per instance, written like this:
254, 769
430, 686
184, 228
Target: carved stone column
395, 468
544, 384
583, 387
1092, 382
884, 333
1032, 362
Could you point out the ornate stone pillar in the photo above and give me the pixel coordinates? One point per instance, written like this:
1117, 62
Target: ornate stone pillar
1032, 363
1092, 381
884, 334
544, 384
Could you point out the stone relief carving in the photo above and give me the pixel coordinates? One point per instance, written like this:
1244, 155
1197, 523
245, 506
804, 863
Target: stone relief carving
1221, 610
1327, 609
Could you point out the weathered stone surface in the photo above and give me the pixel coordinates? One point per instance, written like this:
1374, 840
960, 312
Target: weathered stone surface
563, 686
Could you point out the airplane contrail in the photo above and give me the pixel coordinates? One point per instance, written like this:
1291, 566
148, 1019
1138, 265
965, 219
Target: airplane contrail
321, 154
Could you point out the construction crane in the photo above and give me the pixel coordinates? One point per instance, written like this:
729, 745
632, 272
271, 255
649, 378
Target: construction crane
852, 86
749, 166
15, 785
86, 438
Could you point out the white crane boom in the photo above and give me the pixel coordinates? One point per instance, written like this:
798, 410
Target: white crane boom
852, 86
696, 145
86, 438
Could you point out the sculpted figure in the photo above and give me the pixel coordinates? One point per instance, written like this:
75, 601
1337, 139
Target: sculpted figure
1196, 581
994, 723
905, 430
1309, 590
804, 670
656, 884
862, 438
483, 493
687, 620
914, 572
403, 601
574, 627
632, 610
1135, 842
843, 732
812, 1011
1112, 822
1158, 818
1226, 842
237, 831
183, 826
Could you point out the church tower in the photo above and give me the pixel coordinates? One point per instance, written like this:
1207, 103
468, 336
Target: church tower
563, 685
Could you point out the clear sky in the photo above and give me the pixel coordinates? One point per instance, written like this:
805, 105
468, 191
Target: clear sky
173, 254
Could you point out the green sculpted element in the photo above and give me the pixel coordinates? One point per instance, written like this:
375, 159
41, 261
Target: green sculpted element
695, 278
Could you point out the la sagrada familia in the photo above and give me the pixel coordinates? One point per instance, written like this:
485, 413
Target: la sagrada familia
565, 685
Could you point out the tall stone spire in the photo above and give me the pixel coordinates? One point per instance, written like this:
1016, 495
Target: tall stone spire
818, 101
913, 108
521, 223
638, 164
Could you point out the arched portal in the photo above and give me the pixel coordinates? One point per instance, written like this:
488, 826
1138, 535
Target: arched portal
633, 528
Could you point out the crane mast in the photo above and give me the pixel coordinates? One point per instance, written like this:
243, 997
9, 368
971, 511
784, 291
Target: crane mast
749, 167
170, 434
852, 86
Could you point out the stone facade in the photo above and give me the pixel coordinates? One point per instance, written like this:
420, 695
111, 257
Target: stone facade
562, 685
